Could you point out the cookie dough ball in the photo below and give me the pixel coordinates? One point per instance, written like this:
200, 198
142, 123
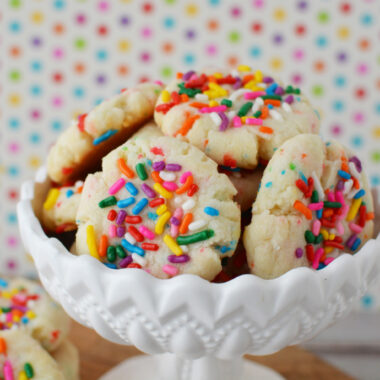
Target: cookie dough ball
22, 357
29, 308
60, 207
235, 118
161, 205
80, 148
67, 358
313, 205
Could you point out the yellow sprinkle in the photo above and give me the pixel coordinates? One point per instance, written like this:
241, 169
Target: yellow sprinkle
213, 103
30, 314
243, 119
244, 68
162, 191
16, 319
6, 294
22, 376
251, 85
331, 236
161, 209
325, 234
91, 242
161, 222
172, 245
354, 209
165, 96
328, 250
218, 75
259, 76
51, 199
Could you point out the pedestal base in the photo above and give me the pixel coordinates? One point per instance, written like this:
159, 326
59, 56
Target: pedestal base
148, 367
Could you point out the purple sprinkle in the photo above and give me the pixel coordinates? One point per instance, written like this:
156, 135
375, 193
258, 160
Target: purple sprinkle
350, 241
224, 124
357, 163
174, 220
237, 84
150, 193
340, 185
158, 165
187, 75
21, 308
289, 99
267, 79
178, 259
125, 262
173, 167
120, 231
121, 217
279, 91
299, 253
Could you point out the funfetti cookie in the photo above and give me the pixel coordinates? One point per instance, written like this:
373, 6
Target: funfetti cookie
26, 306
67, 358
60, 207
23, 358
80, 148
235, 118
159, 204
313, 205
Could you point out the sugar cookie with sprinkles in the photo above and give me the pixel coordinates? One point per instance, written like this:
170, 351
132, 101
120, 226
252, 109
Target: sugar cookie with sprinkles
23, 358
313, 205
159, 204
26, 306
60, 207
79, 149
235, 118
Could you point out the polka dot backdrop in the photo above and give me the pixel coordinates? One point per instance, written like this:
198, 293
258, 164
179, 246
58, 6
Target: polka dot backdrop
64, 56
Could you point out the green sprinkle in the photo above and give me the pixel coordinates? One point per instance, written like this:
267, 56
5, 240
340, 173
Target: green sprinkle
272, 97
107, 202
257, 114
6, 309
190, 92
328, 204
111, 254
244, 109
297, 91
314, 196
226, 102
292, 166
289, 89
141, 172
120, 252
318, 239
199, 236
29, 371
309, 237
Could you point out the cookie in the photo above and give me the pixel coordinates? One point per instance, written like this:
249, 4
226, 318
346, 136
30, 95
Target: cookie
80, 148
235, 118
161, 205
67, 358
60, 207
313, 205
27, 307
22, 358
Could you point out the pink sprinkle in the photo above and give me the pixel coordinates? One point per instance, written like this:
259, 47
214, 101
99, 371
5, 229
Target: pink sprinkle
184, 176
317, 257
213, 109
355, 228
112, 230
316, 227
116, 186
174, 230
9, 317
344, 209
339, 197
158, 82
170, 270
331, 196
178, 213
340, 228
253, 94
328, 260
315, 206
8, 371
146, 232
236, 122
253, 121
170, 186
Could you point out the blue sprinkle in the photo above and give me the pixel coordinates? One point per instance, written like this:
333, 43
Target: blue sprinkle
321, 266
283, 172
211, 211
3, 283
271, 89
104, 136
152, 215
110, 265
328, 143
140, 206
356, 244
318, 114
24, 320
270, 106
344, 174
268, 184
149, 162
224, 249
359, 194
302, 177
131, 188
125, 202
69, 193
319, 214
132, 248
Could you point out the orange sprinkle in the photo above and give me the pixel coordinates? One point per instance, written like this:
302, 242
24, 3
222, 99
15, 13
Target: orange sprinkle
186, 185
187, 125
211, 78
264, 113
344, 167
299, 206
80, 189
156, 177
205, 143
247, 78
370, 216
273, 102
267, 130
124, 168
356, 183
179, 75
198, 105
328, 212
184, 98
17, 313
187, 219
103, 245
3, 346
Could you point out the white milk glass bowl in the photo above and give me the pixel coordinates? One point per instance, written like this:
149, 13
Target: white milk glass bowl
193, 329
